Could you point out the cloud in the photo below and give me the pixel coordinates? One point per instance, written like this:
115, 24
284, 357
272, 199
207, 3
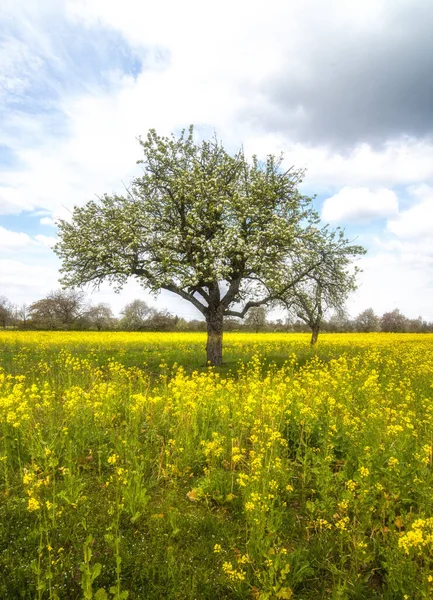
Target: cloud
18, 240
416, 222
47, 221
84, 142
13, 200
359, 205
18, 65
12, 240
352, 82
323, 73
394, 280
22, 281
46, 240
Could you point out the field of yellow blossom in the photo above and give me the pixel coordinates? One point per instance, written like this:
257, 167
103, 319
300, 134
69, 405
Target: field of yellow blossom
129, 469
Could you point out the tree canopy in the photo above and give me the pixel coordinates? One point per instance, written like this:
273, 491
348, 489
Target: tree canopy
222, 232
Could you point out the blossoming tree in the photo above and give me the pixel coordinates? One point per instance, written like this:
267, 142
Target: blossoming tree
323, 288
222, 232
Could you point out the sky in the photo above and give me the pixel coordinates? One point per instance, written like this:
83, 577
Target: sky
343, 89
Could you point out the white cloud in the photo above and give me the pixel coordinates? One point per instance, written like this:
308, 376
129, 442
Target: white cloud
395, 280
47, 221
100, 151
416, 222
398, 162
12, 199
205, 81
360, 205
13, 240
46, 240
18, 240
17, 65
24, 281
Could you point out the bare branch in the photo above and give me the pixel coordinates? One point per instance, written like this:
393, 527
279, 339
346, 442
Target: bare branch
177, 290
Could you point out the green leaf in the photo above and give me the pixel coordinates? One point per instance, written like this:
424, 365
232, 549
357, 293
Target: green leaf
96, 570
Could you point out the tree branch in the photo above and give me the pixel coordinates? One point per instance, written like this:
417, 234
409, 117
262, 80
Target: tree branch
201, 291
232, 292
278, 296
171, 287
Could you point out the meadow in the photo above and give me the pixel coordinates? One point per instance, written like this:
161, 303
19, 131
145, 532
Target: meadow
130, 469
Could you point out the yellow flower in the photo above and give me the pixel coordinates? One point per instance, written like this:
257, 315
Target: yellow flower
342, 524
28, 478
33, 504
217, 548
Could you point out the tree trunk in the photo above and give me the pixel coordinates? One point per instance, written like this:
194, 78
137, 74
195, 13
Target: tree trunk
314, 335
214, 346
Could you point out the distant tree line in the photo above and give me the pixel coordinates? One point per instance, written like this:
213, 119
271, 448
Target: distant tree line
71, 310
338, 322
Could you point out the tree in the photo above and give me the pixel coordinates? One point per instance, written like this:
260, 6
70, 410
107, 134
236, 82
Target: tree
256, 318
339, 322
325, 287
394, 321
100, 316
230, 324
224, 233
43, 314
69, 304
367, 321
6, 311
307, 303
161, 320
135, 315
23, 315
60, 309
417, 325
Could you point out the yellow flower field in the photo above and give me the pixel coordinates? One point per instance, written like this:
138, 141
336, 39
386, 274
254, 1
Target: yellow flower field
130, 469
